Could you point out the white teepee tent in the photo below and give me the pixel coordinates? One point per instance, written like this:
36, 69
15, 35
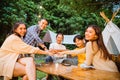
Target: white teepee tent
111, 35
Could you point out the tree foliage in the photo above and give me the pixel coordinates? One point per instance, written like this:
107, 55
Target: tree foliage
71, 16
67, 16
16, 10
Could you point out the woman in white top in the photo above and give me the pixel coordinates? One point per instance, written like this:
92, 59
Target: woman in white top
96, 53
11, 65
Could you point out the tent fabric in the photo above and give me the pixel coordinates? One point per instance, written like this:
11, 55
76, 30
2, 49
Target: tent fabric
50, 37
111, 37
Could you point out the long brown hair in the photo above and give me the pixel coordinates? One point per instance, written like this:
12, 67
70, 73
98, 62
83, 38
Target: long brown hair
15, 26
100, 42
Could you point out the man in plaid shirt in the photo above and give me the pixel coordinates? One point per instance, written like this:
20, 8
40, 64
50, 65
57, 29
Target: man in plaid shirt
33, 32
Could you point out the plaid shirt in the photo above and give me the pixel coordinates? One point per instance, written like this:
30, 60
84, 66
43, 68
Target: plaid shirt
32, 36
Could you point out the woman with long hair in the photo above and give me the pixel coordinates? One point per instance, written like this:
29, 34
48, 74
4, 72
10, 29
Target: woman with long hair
11, 62
97, 54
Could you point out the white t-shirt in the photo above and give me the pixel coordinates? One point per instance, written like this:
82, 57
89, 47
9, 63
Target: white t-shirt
59, 47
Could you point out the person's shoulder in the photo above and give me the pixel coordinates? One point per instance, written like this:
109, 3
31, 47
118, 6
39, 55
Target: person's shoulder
53, 43
91, 43
33, 26
63, 45
12, 37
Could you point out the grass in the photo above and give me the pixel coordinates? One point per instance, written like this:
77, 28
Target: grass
40, 75
40, 59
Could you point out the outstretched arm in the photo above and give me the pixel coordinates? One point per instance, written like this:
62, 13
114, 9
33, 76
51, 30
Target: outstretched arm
82, 50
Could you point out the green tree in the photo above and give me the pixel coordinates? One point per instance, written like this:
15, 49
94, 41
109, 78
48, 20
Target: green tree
16, 10
72, 16
67, 16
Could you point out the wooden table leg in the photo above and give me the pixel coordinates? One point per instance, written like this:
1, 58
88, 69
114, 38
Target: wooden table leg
61, 78
15, 78
49, 77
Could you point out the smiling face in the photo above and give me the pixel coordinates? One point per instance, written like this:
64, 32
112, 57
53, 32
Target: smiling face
21, 30
79, 43
90, 34
43, 24
59, 38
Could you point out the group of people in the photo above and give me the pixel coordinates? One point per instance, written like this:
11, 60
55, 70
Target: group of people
97, 55
23, 42
13, 60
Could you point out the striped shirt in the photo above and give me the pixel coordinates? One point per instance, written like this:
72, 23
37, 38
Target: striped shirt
32, 36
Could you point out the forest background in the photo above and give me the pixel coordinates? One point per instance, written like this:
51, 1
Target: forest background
66, 16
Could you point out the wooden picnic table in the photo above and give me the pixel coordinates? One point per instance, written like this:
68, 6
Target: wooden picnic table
81, 74
76, 73
54, 68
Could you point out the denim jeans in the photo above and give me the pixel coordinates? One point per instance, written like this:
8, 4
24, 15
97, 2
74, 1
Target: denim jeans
48, 59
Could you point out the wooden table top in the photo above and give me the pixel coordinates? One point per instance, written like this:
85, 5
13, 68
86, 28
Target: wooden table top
54, 69
76, 73
80, 74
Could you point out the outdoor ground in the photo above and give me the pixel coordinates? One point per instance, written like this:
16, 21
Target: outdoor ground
40, 59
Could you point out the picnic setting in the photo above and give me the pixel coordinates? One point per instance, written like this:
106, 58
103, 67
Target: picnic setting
60, 40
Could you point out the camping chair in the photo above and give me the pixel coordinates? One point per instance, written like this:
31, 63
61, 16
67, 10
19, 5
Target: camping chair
110, 44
